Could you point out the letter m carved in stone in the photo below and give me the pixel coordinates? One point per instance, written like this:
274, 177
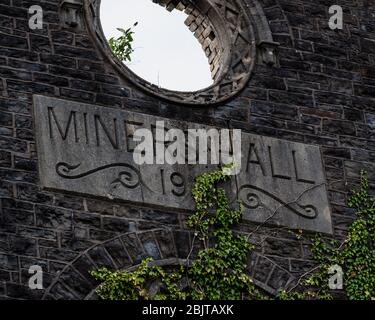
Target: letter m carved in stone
64, 132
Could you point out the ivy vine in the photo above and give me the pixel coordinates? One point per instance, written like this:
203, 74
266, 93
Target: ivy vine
217, 273
355, 256
124, 285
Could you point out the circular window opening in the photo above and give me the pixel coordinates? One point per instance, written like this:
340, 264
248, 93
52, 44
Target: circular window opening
223, 29
160, 48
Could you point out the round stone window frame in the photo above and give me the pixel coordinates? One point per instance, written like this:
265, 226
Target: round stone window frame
238, 28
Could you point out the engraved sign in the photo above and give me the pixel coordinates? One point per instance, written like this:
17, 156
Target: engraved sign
88, 150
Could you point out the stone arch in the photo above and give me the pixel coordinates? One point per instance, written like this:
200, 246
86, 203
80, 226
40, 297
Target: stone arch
119, 253
126, 251
229, 32
268, 275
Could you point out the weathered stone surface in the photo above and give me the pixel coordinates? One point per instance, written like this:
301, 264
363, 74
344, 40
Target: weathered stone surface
89, 150
314, 95
230, 38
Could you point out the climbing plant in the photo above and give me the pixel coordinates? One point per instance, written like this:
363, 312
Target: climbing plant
356, 255
136, 285
218, 271
122, 46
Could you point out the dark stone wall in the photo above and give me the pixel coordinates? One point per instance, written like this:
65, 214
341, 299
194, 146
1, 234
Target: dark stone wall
323, 93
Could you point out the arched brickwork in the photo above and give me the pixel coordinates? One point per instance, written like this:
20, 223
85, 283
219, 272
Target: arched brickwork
321, 93
126, 251
200, 24
118, 253
230, 34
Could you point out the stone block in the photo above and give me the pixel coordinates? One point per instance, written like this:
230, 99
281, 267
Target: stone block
88, 150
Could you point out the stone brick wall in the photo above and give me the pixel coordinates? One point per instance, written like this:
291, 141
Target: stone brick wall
203, 30
322, 93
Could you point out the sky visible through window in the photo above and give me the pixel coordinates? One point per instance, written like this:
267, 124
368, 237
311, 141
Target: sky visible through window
166, 51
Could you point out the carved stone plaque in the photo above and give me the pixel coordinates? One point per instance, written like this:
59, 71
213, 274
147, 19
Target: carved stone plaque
88, 150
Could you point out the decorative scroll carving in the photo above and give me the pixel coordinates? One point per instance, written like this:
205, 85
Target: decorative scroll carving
64, 170
83, 149
131, 178
253, 197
